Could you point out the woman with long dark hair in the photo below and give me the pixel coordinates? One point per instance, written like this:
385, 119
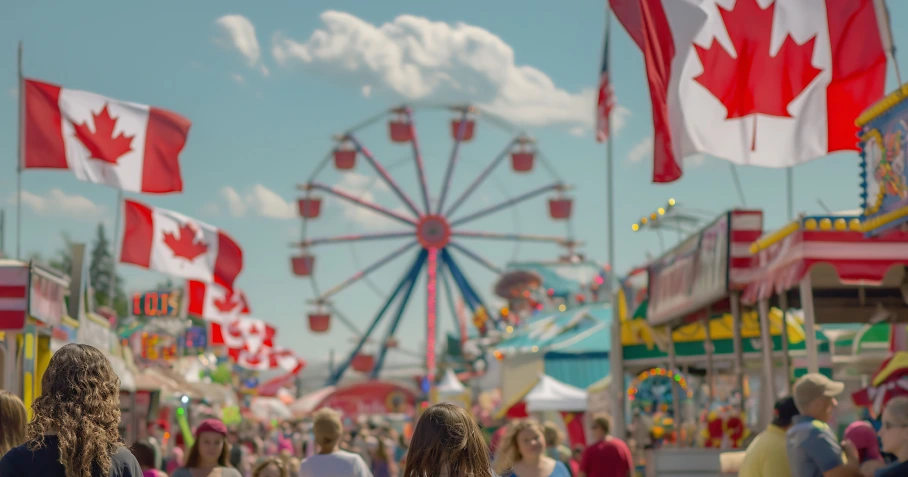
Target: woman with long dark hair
74, 432
209, 454
447, 442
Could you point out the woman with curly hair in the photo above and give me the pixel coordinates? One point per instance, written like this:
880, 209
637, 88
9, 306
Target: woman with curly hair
522, 452
74, 432
12, 421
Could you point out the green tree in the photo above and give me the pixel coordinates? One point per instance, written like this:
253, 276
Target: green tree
63, 259
100, 273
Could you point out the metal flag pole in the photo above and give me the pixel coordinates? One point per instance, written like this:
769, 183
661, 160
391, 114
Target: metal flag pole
20, 158
115, 251
885, 26
789, 194
615, 356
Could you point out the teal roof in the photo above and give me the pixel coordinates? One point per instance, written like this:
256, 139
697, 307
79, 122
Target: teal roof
577, 369
581, 329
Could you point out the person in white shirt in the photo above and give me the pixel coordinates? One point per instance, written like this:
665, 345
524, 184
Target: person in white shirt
329, 460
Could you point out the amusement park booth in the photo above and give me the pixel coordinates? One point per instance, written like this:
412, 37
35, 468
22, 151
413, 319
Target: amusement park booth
550, 399
36, 307
571, 346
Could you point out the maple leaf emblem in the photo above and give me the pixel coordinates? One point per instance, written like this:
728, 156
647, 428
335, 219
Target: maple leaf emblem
101, 143
753, 81
227, 302
185, 245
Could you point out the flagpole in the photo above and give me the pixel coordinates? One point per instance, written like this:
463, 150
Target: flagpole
20, 158
789, 192
115, 250
615, 352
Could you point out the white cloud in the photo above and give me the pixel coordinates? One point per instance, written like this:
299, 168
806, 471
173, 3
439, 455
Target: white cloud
414, 58
642, 150
238, 78
366, 188
367, 91
57, 203
578, 131
258, 200
239, 34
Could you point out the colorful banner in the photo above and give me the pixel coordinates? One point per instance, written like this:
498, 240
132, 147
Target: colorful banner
884, 175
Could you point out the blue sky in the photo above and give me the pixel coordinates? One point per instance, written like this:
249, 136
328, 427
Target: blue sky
264, 107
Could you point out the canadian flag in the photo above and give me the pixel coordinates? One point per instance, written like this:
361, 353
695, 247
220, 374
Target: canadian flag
250, 334
769, 83
216, 303
124, 145
172, 243
268, 358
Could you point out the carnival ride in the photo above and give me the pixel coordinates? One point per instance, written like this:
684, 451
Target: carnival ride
431, 229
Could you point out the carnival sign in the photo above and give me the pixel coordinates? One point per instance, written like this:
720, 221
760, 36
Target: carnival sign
46, 294
692, 276
884, 176
160, 303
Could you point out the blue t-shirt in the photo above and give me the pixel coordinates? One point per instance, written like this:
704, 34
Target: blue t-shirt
560, 470
812, 448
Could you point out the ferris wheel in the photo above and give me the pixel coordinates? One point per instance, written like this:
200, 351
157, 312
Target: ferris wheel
430, 232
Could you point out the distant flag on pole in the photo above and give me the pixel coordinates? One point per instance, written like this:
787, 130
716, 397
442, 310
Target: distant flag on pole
606, 94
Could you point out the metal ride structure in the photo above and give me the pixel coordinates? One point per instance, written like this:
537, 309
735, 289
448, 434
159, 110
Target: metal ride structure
432, 230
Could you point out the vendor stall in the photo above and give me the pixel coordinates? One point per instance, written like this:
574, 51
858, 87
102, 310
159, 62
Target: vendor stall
548, 398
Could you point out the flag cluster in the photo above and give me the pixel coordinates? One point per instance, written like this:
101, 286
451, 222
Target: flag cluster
136, 148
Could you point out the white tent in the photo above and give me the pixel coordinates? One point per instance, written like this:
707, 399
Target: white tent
450, 385
549, 394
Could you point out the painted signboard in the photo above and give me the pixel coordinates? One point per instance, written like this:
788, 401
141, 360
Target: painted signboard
158, 303
372, 397
693, 275
884, 154
46, 294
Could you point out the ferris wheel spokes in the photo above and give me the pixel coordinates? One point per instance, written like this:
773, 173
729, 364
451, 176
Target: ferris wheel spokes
417, 156
356, 200
401, 308
476, 258
463, 284
366, 271
481, 177
384, 174
512, 201
514, 237
452, 161
352, 238
409, 275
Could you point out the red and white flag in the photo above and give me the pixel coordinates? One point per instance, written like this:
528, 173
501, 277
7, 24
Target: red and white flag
172, 243
768, 83
128, 146
606, 102
216, 303
250, 334
267, 359
14, 284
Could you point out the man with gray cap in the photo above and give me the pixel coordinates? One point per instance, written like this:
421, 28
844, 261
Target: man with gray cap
813, 449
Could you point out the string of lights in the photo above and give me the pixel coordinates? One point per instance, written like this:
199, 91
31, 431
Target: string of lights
652, 219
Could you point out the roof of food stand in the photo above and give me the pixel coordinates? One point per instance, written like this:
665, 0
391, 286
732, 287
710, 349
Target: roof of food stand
785, 256
573, 330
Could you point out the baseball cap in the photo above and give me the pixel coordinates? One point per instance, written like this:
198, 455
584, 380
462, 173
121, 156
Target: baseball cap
813, 386
211, 425
784, 411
